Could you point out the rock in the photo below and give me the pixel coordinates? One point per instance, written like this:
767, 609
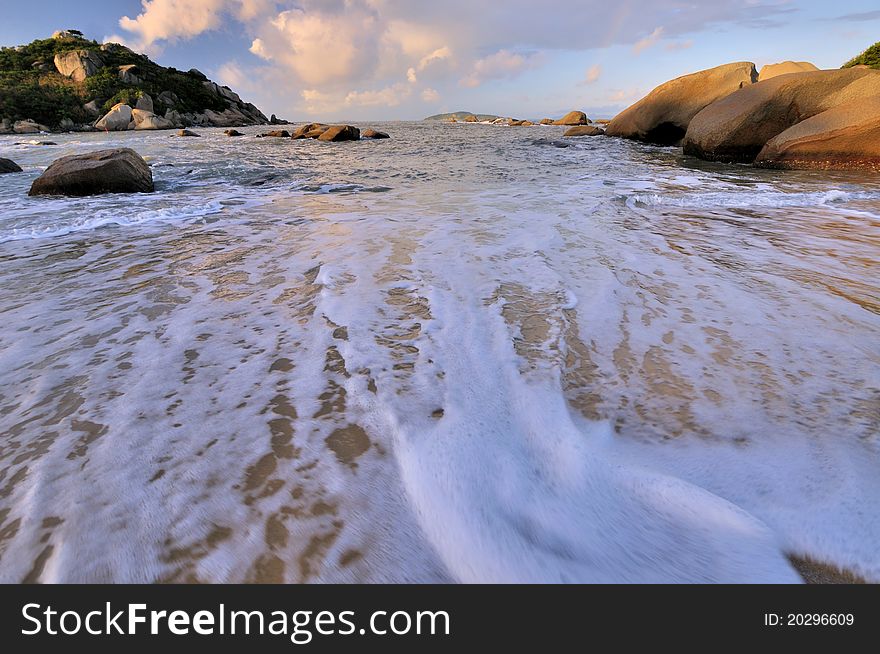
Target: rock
373, 134
846, 137
148, 120
28, 127
8, 166
115, 120
573, 118
340, 133
233, 132
168, 98
470, 119
120, 170
92, 108
278, 133
36, 143
115, 48
738, 127
186, 132
6, 126
78, 64
67, 34
174, 117
195, 72
309, 131
547, 121
66, 125
584, 130
222, 91
129, 74
144, 103
664, 114
784, 68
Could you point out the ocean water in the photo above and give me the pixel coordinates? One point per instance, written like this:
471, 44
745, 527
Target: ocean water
467, 353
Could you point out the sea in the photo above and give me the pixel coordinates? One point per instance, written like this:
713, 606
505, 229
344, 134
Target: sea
467, 353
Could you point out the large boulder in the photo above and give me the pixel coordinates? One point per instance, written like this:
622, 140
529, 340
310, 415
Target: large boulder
546, 121
663, 115
370, 133
341, 133
115, 120
130, 74
144, 103
78, 64
169, 99
584, 130
8, 166
845, 137
738, 127
148, 120
470, 119
784, 68
120, 170
573, 118
309, 131
28, 127
275, 133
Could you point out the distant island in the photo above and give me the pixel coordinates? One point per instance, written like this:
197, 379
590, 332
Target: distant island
460, 116
68, 83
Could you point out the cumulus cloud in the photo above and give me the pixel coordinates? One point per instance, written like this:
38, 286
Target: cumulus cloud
430, 95
593, 74
359, 51
499, 65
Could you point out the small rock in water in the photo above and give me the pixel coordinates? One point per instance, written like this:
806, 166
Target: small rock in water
341, 133
186, 132
233, 132
8, 166
373, 134
584, 130
278, 133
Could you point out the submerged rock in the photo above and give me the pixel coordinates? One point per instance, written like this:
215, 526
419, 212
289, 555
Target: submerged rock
573, 118
373, 134
584, 130
738, 127
341, 133
120, 170
8, 166
663, 116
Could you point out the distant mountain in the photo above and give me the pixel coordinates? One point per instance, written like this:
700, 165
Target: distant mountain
461, 115
69, 82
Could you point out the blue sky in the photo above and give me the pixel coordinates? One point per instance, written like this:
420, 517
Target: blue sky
405, 59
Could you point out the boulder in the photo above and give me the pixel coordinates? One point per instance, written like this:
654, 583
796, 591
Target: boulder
174, 117
470, 119
233, 132
66, 125
845, 137
144, 103
129, 74
8, 166
121, 170
92, 108
309, 131
168, 98
547, 121
78, 64
195, 72
738, 127
784, 68
573, 118
28, 127
186, 132
373, 134
115, 48
664, 114
6, 126
277, 133
115, 120
340, 133
148, 120
584, 130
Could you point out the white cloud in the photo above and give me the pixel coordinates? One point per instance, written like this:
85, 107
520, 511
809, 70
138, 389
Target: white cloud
430, 95
440, 54
649, 41
499, 65
593, 74
411, 75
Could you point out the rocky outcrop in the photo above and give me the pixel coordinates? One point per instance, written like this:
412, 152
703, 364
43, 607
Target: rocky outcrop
573, 118
547, 121
846, 137
584, 130
373, 134
28, 127
168, 98
144, 103
106, 171
470, 119
8, 166
115, 120
309, 131
663, 116
784, 68
738, 127
148, 120
275, 133
78, 65
129, 74
340, 133
233, 132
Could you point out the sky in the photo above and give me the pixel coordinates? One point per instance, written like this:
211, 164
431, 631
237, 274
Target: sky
407, 59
